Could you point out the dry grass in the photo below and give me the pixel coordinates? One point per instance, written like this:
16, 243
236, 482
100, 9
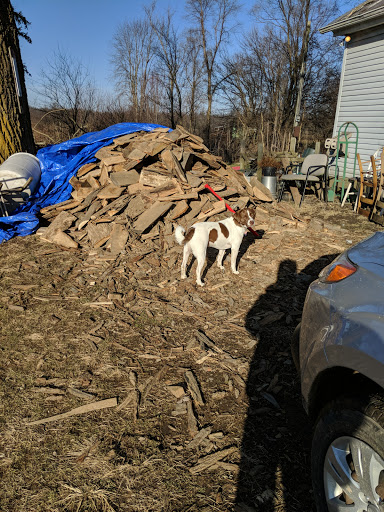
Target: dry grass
108, 460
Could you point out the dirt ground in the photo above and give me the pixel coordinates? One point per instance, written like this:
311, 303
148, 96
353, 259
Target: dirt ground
209, 414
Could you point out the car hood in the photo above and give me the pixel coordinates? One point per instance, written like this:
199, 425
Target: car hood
369, 253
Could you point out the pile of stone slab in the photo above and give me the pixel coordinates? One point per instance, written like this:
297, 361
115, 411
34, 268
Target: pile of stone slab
140, 186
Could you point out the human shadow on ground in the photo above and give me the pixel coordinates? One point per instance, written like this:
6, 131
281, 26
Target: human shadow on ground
275, 452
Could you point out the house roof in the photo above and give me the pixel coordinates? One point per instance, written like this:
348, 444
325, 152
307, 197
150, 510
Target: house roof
366, 15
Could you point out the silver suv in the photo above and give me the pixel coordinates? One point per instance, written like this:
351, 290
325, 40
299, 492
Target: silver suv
339, 351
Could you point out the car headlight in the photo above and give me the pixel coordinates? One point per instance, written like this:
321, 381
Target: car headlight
339, 269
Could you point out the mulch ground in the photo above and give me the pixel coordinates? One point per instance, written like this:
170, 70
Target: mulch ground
208, 414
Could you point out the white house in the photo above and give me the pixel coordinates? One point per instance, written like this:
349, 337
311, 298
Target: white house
361, 92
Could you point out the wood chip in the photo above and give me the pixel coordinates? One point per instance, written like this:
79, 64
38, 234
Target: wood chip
193, 387
94, 406
210, 460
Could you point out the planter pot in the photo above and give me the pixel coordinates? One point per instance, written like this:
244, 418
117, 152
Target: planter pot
268, 171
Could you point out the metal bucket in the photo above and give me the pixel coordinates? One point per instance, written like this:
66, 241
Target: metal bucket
271, 183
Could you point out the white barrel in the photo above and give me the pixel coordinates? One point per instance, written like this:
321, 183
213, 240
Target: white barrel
17, 169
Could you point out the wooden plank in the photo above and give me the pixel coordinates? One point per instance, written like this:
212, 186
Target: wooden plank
98, 232
104, 175
104, 152
124, 139
167, 159
219, 207
179, 210
196, 208
118, 238
153, 179
110, 192
87, 201
117, 158
261, 195
178, 169
84, 169
117, 203
62, 222
136, 154
135, 207
187, 161
180, 197
209, 159
124, 178
62, 239
68, 206
157, 148
149, 217
86, 217
47, 209
81, 193
176, 135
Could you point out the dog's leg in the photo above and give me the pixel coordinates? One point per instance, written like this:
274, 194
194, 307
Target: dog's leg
186, 253
234, 253
200, 254
220, 257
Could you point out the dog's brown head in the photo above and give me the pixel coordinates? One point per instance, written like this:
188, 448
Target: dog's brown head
245, 217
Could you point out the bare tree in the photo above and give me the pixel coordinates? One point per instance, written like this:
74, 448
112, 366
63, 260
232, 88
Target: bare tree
262, 81
68, 91
213, 19
133, 53
169, 63
287, 23
193, 71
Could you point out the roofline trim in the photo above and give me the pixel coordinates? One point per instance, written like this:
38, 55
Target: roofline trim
358, 22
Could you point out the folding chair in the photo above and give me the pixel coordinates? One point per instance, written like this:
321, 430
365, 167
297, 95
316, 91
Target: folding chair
314, 170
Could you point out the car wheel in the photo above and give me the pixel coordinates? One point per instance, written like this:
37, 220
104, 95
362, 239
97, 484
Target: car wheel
348, 456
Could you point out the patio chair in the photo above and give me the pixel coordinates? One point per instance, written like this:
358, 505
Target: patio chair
314, 170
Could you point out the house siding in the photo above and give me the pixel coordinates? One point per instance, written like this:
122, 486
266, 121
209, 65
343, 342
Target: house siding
361, 94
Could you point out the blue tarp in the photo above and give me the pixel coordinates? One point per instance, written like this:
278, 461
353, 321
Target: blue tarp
58, 164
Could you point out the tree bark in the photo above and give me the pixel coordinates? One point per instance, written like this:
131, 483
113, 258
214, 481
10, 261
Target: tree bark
15, 123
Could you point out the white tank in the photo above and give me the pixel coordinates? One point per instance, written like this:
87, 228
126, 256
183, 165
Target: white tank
17, 169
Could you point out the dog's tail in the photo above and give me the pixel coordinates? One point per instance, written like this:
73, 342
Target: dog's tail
179, 234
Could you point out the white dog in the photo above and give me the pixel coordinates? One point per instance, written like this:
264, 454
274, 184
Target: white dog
226, 234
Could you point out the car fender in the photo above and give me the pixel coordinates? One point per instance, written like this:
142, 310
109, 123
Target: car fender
358, 344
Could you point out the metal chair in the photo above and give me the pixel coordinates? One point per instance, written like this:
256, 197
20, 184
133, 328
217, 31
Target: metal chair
314, 170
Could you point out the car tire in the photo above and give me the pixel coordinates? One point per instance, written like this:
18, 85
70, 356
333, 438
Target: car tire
348, 440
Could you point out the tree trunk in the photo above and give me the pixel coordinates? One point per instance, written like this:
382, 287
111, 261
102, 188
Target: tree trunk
15, 123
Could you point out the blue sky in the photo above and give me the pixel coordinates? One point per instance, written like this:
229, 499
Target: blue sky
83, 29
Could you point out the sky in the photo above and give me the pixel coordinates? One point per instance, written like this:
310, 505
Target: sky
82, 29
